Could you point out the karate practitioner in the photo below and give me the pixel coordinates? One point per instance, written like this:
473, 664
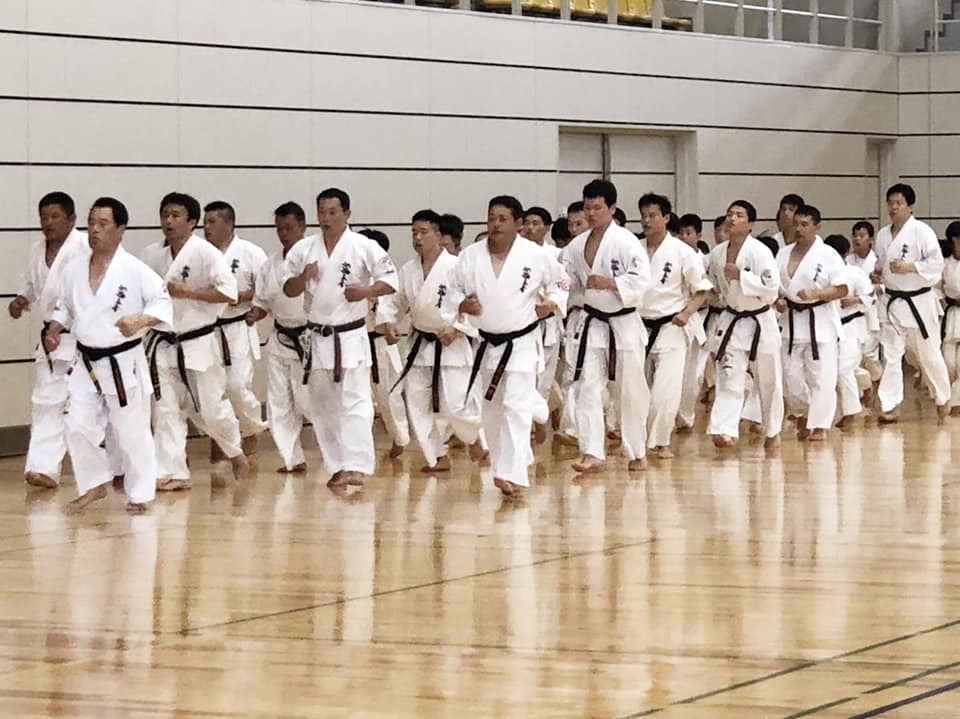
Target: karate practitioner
746, 278
41, 282
107, 301
186, 365
437, 370
609, 268
691, 232
812, 280
865, 258
287, 397
337, 272
950, 327
786, 232
678, 286
508, 284
451, 231
910, 264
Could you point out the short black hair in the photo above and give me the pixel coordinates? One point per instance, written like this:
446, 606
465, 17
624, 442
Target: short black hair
601, 188
376, 235
620, 217
508, 201
809, 211
62, 199
703, 247
792, 199
540, 212
652, 198
838, 242
576, 206
904, 189
560, 231
953, 230
291, 209
692, 220
768, 242
864, 225
427, 216
452, 226
185, 201
748, 207
335, 193
719, 221
119, 210
224, 208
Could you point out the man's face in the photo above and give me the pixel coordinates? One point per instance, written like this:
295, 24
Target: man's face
738, 222
103, 233
806, 228
449, 244
689, 235
597, 212
577, 223
720, 233
534, 228
175, 222
501, 224
862, 242
785, 216
216, 229
56, 223
331, 217
426, 237
653, 221
898, 209
289, 229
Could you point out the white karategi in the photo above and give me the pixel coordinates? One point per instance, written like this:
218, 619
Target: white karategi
950, 326
341, 403
385, 369
676, 274
694, 371
856, 333
551, 333
872, 356
239, 342
571, 340
811, 333
423, 299
748, 302
288, 401
621, 257
200, 265
529, 275
111, 390
40, 286
910, 312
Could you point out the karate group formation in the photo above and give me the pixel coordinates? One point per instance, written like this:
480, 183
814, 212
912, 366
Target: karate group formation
578, 326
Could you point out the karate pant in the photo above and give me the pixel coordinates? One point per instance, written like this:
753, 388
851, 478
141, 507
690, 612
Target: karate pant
392, 410
810, 385
872, 356
731, 378
951, 356
547, 382
895, 341
664, 374
634, 403
170, 412
288, 402
850, 355
342, 416
432, 430
693, 371
246, 406
48, 441
507, 420
88, 417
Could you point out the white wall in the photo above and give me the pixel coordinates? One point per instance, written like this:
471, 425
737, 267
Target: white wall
261, 101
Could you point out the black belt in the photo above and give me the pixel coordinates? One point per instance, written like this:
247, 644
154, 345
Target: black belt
907, 296
89, 355
156, 338
224, 345
851, 317
737, 316
374, 364
496, 339
327, 331
594, 314
435, 373
654, 326
43, 333
793, 307
711, 311
951, 304
293, 334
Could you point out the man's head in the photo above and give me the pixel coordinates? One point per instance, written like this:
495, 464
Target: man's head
839, 243
219, 220
740, 218
425, 233
576, 219
599, 203
862, 235
106, 223
720, 229
620, 217
560, 233
451, 233
953, 239
377, 236
900, 201
788, 206
691, 229
655, 213
536, 224
504, 218
179, 215
333, 211
290, 222
806, 222
58, 216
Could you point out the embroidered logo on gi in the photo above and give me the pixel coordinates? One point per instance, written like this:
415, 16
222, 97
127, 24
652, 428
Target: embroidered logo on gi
526, 278
441, 293
235, 265
185, 272
615, 268
667, 269
344, 273
816, 275
121, 295
903, 251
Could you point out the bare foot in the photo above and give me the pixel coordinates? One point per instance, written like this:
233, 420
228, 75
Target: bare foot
943, 411
555, 420
87, 498
395, 451
241, 467
296, 469
637, 465
588, 463
755, 428
456, 443
683, 428
216, 454
248, 445
173, 485
817, 435
888, 417
38, 479
613, 435
118, 482
566, 440
802, 431
138, 507
352, 479
722, 440
663, 452
539, 433
510, 489
772, 442
442, 465
844, 421
336, 479
477, 452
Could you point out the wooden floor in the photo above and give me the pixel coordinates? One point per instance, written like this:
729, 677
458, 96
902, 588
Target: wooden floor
822, 582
